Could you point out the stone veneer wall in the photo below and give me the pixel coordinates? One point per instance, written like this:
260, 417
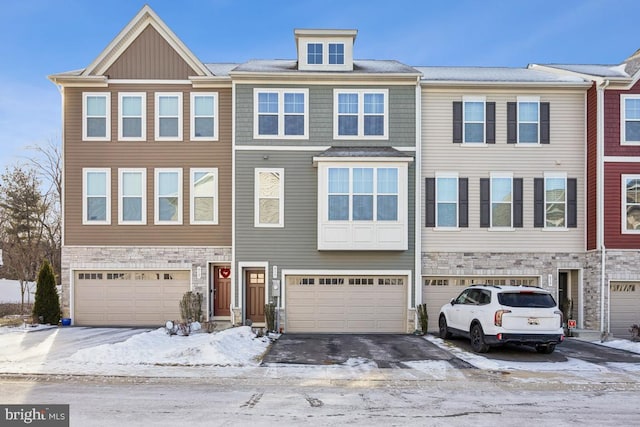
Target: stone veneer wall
134, 258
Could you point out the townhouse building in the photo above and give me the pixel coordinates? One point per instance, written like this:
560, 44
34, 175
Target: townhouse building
613, 199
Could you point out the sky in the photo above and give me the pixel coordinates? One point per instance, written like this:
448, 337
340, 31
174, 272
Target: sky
43, 37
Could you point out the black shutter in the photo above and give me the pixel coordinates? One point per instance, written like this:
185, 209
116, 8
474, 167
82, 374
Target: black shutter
538, 202
485, 202
463, 202
512, 122
490, 111
431, 202
517, 202
544, 123
457, 122
572, 203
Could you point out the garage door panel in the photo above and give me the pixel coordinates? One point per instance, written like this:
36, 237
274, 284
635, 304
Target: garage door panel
625, 300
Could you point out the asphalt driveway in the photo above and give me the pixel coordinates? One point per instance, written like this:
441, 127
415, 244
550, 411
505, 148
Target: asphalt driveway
387, 351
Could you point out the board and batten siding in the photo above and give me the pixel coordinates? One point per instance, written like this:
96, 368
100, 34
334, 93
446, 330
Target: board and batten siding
402, 117
565, 154
147, 154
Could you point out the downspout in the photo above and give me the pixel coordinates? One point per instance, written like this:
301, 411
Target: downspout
417, 220
600, 205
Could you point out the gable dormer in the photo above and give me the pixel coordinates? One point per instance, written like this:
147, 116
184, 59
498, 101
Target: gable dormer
325, 50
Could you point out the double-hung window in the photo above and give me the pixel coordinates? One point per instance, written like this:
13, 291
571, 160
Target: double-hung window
630, 123
269, 197
314, 53
555, 201
474, 120
281, 113
96, 116
204, 196
336, 53
168, 120
96, 194
131, 116
132, 191
168, 196
446, 201
361, 114
501, 200
631, 203
204, 116
528, 120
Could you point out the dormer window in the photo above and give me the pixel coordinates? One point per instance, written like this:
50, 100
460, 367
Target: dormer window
314, 53
325, 50
336, 53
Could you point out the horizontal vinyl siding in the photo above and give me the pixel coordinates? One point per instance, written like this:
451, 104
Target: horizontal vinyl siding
402, 117
148, 154
613, 237
295, 245
612, 124
565, 153
592, 168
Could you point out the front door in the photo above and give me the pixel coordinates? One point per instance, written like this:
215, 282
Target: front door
254, 285
221, 291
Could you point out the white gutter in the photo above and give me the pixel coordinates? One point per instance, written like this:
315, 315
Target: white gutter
417, 221
600, 202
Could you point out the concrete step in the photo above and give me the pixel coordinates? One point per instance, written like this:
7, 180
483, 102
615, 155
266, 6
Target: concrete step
585, 334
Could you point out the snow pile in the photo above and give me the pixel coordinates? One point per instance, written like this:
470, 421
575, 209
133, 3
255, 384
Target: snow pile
231, 347
632, 346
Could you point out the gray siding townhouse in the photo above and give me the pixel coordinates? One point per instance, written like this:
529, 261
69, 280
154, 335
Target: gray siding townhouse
324, 188
503, 168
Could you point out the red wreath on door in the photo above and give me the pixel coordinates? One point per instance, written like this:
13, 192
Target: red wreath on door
225, 272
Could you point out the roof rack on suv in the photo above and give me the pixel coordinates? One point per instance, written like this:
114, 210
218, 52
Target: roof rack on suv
484, 284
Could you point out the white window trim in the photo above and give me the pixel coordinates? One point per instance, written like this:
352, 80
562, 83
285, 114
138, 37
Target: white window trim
324, 52
361, 115
143, 117
556, 175
482, 99
216, 119
156, 205
107, 220
256, 195
107, 96
457, 201
143, 217
493, 176
623, 222
157, 116
520, 99
281, 113
623, 119
192, 204
344, 52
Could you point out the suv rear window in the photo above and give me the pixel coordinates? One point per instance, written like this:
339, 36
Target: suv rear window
526, 299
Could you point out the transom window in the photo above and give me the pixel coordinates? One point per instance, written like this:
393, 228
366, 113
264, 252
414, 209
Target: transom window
204, 196
528, 120
363, 194
501, 201
630, 119
555, 201
631, 203
168, 116
336, 53
474, 120
96, 112
168, 196
132, 184
269, 197
361, 114
131, 112
204, 113
281, 113
314, 53
96, 191
446, 201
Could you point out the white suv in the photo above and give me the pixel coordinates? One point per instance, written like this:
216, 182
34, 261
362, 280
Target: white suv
494, 315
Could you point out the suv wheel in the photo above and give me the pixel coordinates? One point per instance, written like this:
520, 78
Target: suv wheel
442, 327
477, 339
545, 349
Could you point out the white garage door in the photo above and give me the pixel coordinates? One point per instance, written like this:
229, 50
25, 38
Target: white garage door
625, 307
437, 291
128, 298
346, 304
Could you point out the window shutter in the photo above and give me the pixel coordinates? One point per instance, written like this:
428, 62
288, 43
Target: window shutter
572, 203
431, 202
517, 202
463, 202
457, 122
512, 122
538, 202
490, 112
544, 123
485, 202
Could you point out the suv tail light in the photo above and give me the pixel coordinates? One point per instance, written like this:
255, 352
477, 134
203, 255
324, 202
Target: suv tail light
497, 318
559, 313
